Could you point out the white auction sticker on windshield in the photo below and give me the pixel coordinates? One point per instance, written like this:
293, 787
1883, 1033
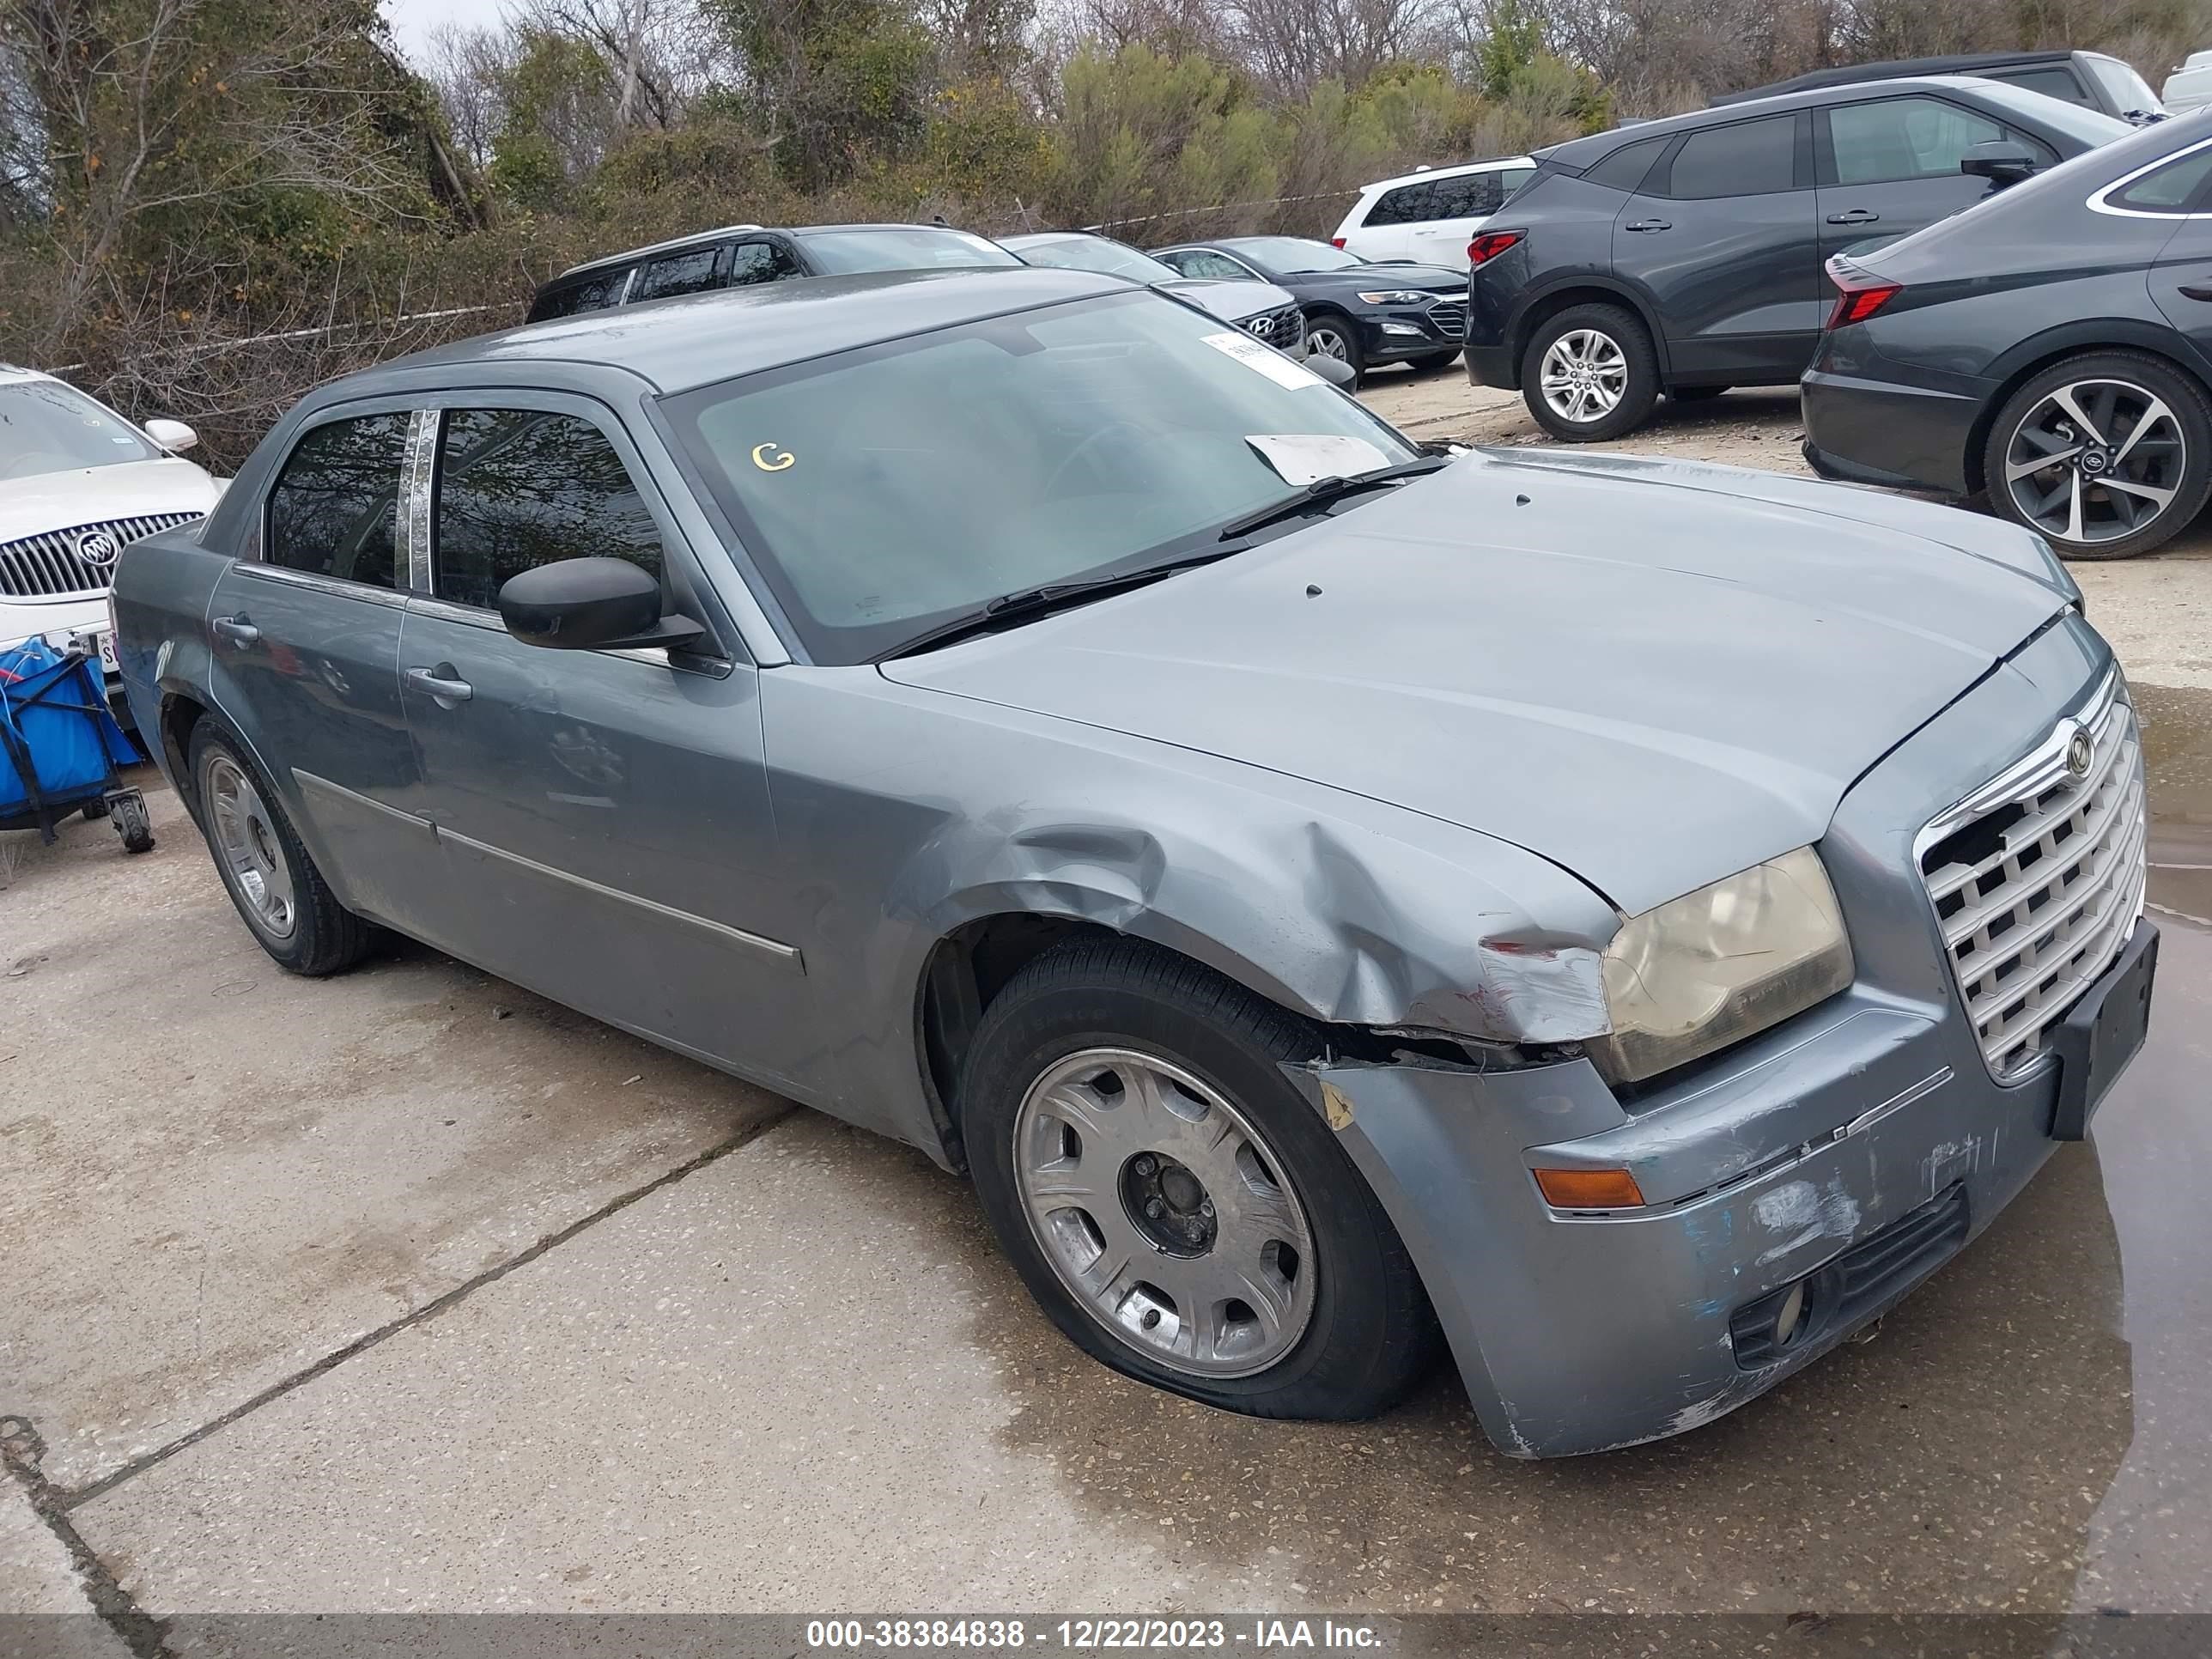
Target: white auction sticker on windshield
1304, 458
1263, 359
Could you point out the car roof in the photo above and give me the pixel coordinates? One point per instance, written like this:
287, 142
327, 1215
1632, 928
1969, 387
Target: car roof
1488, 164
1896, 68
1039, 238
677, 243
1582, 153
702, 338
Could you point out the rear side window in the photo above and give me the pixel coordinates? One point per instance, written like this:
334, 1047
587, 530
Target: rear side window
1751, 158
1409, 205
518, 487
690, 272
1900, 138
2053, 81
1469, 195
2169, 189
595, 294
760, 262
1626, 168
335, 509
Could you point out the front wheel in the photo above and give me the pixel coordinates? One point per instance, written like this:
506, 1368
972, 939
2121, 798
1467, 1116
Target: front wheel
1330, 335
2107, 454
1590, 373
1176, 1207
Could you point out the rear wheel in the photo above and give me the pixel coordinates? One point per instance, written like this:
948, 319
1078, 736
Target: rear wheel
1590, 373
1328, 335
2106, 455
280, 895
1176, 1207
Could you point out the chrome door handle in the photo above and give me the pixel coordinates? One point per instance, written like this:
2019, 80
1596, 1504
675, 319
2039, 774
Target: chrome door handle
1855, 216
236, 630
1650, 224
431, 682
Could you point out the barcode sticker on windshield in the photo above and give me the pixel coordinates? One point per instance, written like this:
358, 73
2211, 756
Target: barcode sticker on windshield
1263, 359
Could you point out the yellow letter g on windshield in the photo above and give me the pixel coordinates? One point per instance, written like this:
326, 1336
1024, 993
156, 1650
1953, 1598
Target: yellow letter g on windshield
771, 457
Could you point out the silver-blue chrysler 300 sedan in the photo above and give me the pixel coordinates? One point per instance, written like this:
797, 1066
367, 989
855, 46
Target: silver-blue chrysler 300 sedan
1631, 919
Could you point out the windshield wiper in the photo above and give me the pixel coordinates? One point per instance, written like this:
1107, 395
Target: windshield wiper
1324, 492
1024, 604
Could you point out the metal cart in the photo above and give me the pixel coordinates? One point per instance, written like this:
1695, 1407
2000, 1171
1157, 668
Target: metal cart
60, 747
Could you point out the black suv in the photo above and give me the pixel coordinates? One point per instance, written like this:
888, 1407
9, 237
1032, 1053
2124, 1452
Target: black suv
737, 255
1684, 255
2094, 80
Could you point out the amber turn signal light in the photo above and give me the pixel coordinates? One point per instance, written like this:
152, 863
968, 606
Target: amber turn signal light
1589, 1189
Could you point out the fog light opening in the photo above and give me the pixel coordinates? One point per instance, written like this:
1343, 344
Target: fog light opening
1789, 1318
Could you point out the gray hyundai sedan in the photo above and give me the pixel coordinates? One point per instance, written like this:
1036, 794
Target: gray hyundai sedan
1630, 920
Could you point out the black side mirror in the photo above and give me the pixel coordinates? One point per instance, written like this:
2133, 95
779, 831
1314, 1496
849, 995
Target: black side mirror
2000, 161
586, 604
1335, 370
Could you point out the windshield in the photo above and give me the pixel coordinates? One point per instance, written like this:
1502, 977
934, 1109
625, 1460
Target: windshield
47, 427
2127, 89
843, 252
1108, 259
886, 490
1295, 253
2091, 126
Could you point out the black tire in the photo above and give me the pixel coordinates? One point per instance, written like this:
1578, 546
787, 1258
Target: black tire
1370, 1332
1695, 394
132, 824
1640, 387
94, 811
324, 936
1435, 362
2179, 458
1346, 332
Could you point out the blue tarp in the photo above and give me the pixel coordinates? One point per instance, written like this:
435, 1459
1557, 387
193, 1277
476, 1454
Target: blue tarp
54, 718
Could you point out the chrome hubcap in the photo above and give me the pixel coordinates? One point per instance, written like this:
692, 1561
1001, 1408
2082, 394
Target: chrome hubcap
1328, 342
1583, 375
247, 842
1162, 1209
2095, 461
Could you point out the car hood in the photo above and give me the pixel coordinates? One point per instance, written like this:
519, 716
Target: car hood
1429, 279
1231, 301
1652, 673
96, 494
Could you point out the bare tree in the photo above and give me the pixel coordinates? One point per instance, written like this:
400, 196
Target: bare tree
1295, 44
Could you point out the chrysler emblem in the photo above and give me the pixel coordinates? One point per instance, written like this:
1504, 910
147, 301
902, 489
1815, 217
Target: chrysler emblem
2079, 753
97, 548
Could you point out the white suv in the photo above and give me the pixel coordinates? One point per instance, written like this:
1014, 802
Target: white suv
79, 483
1429, 217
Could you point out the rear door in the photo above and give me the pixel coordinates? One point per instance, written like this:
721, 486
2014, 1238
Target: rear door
1890, 166
2177, 193
603, 816
1723, 240
306, 658
758, 259
1387, 232
1462, 203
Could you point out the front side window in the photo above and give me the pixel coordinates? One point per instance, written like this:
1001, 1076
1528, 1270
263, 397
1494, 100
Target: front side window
1409, 205
47, 427
518, 487
1900, 138
334, 510
883, 490
1751, 158
760, 262
689, 272
1205, 262
1467, 196
847, 252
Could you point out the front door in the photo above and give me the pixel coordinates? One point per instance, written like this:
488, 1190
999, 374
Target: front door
306, 662
1890, 166
604, 815
1723, 242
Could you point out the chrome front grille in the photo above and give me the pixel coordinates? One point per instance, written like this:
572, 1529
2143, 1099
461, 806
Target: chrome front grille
2038, 878
1282, 330
1449, 319
50, 566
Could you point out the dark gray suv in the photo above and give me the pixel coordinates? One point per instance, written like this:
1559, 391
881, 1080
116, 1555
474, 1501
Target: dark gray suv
1684, 255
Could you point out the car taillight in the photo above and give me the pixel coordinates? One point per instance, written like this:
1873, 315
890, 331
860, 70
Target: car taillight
1488, 245
1859, 294
1336, 241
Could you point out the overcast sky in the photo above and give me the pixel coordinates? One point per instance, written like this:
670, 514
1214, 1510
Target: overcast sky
413, 20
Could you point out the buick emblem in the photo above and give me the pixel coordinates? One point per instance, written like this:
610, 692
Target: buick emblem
2080, 752
97, 548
